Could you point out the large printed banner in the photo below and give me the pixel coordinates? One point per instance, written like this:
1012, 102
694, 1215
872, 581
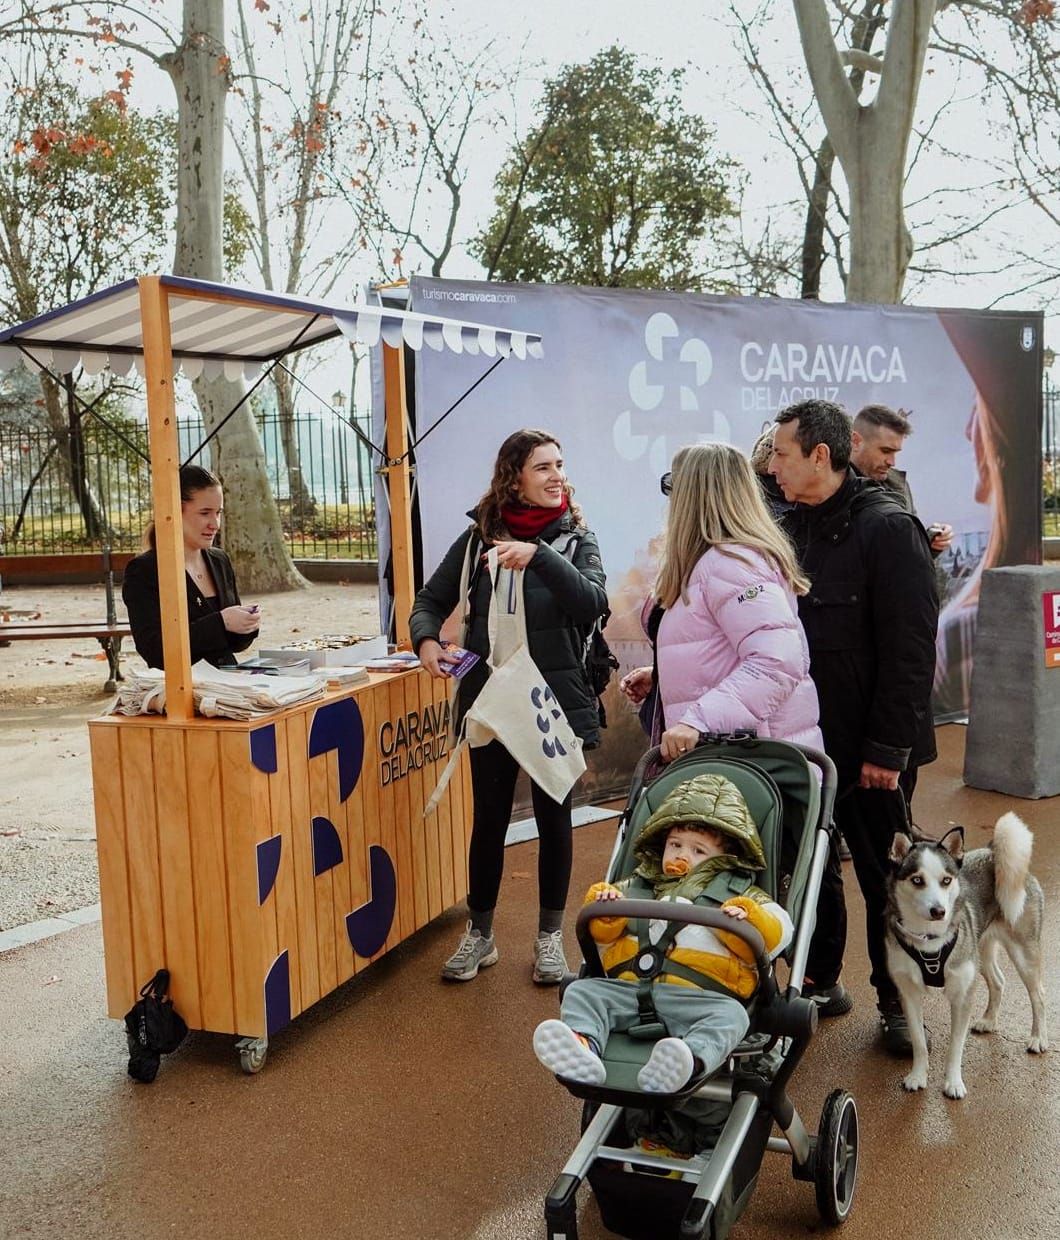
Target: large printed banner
628, 377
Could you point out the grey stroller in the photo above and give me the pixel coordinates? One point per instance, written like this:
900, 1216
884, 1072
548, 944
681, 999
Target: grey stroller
725, 1120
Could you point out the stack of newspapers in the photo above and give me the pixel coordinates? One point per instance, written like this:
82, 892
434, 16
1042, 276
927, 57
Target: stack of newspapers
217, 693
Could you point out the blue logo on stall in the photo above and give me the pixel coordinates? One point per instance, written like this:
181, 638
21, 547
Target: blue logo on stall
339, 726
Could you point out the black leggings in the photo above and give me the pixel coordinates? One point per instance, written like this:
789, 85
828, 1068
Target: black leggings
493, 775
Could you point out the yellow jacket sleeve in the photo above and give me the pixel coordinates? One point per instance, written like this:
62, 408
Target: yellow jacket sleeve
767, 925
604, 929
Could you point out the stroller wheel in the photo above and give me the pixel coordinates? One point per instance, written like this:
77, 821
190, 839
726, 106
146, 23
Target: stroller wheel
836, 1157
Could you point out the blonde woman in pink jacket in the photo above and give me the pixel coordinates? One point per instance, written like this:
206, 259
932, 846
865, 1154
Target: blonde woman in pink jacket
730, 649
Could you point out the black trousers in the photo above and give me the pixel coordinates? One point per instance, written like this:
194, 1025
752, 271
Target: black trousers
493, 775
868, 819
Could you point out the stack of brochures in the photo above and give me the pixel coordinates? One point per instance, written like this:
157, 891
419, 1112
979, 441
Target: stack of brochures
350, 675
217, 693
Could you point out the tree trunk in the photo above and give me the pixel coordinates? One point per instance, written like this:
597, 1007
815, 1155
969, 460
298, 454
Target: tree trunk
871, 140
816, 216
200, 73
66, 428
880, 243
866, 26
89, 503
303, 502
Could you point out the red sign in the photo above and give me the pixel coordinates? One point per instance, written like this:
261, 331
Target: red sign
1051, 616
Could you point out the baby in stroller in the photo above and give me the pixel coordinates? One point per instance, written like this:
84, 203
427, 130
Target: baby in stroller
701, 846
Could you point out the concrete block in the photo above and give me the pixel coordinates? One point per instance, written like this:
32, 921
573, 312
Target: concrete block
1014, 715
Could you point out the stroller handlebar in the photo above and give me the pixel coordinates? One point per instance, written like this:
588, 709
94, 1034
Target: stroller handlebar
651, 764
665, 910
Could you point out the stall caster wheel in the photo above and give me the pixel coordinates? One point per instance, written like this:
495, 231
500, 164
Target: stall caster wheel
252, 1052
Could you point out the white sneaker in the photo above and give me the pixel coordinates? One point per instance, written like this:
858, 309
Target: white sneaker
473, 953
561, 1051
550, 964
669, 1067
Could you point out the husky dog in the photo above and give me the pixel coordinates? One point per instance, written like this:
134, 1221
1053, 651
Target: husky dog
948, 913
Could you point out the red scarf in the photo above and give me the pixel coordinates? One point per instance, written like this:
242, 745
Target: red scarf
526, 521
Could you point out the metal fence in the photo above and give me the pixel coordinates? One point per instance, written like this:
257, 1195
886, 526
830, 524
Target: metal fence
62, 495
75, 494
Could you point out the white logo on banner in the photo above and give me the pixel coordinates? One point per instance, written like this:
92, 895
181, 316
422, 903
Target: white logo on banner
668, 381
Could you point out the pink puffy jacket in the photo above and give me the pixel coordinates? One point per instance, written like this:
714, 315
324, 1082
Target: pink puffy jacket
735, 655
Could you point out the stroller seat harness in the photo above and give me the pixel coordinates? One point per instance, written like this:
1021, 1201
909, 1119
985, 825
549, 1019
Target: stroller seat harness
651, 959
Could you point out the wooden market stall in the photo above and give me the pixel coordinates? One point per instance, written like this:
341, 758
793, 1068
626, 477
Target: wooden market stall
263, 863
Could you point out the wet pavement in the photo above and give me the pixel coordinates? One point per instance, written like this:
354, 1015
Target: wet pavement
403, 1107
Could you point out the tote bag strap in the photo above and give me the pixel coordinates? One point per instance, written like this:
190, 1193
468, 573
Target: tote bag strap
465, 583
507, 614
458, 740
465, 626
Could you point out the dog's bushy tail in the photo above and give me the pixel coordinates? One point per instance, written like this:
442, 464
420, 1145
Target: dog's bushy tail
1012, 846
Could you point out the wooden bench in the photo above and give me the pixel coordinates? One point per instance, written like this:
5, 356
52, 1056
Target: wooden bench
108, 635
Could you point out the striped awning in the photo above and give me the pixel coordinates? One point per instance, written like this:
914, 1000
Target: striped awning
219, 329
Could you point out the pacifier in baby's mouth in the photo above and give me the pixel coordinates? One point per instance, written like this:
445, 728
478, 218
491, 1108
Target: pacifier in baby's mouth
676, 867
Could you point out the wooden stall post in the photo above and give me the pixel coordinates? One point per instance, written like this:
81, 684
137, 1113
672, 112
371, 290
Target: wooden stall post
399, 488
165, 491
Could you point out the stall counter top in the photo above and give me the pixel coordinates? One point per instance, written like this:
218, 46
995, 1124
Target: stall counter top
241, 725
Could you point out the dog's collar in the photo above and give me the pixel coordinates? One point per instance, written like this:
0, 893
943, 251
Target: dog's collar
932, 964
912, 934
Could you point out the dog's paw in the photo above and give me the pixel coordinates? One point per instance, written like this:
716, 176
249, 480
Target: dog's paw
984, 1026
954, 1087
1037, 1046
917, 1079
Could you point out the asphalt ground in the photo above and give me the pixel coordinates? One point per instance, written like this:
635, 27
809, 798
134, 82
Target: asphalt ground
403, 1107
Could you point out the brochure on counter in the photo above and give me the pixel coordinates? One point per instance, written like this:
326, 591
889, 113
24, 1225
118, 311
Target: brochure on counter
399, 661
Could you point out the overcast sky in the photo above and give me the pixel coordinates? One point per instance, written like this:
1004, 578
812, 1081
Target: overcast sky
700, 38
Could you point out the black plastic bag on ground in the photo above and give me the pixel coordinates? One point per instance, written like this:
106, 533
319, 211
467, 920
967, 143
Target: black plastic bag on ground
153, 1028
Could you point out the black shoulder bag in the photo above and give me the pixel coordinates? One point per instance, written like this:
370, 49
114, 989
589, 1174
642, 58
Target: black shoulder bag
153, 1028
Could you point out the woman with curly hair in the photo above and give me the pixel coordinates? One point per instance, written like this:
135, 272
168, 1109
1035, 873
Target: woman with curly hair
529, 515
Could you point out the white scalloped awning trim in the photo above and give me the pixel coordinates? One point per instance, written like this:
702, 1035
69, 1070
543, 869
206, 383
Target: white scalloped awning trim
219, 330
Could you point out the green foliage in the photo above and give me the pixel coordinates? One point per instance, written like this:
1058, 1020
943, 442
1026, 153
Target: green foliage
85, 195
329, 522
20, 397
238, 228
615, 186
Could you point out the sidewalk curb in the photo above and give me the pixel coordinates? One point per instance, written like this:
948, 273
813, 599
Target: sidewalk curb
34, 931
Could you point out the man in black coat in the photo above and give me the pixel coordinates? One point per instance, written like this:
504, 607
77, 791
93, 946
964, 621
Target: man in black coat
870, 619
879, 434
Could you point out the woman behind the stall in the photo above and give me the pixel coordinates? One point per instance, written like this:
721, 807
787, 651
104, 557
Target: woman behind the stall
528, 508
218, 623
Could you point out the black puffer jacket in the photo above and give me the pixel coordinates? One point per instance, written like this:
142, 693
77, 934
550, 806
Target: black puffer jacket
870, 619
210, 640
560, 595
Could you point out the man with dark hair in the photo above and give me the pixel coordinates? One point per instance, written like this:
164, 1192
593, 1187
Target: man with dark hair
879, 435
870, 620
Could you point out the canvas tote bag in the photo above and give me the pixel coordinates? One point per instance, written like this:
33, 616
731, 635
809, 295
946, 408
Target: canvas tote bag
516, 706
